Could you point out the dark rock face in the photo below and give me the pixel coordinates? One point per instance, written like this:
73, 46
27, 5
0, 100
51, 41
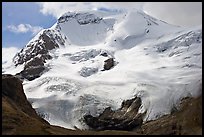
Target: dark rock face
12, 88
109, 63
47, 41
35, 62
125, 118
81, 18
38, 48
35, 54
31, 73
104, 54
33, 69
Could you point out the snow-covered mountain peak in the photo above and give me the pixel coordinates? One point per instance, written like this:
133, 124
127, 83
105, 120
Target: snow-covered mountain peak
81, 17
84, 28
45, 40
88, 61
135, 27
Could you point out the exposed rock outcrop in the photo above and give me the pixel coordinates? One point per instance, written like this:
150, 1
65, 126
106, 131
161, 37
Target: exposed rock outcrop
81, 18
33, 69
34, 55
36, 48
109, 63
125, 118
104, 54
31, 73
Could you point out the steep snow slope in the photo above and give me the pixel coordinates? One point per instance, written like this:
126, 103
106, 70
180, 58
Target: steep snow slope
136, 27
85, 28
157, 61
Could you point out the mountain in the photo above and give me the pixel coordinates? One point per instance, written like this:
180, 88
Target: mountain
90, 61
19, 118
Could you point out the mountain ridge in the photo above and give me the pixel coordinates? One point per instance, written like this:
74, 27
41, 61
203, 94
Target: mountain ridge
63, 67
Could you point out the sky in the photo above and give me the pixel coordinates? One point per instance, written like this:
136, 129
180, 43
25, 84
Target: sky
21, 21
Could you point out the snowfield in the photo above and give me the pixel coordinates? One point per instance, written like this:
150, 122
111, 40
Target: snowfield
159, 62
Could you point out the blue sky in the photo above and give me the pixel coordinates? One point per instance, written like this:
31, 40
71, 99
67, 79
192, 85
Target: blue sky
16, 13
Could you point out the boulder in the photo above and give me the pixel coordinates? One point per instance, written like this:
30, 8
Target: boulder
109, 63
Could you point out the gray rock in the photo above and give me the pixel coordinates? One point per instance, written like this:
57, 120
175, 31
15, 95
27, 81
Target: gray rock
109, 63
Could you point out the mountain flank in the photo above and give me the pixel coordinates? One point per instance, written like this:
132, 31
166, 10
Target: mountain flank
19, 118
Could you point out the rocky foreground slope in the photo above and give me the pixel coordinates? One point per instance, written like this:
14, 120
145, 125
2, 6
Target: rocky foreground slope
18, 116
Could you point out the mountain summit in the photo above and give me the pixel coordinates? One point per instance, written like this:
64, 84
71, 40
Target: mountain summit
90, 61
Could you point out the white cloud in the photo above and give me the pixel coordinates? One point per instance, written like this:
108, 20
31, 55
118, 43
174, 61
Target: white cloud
7, 60
24, 28
56, 9
8, 54
178, 13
